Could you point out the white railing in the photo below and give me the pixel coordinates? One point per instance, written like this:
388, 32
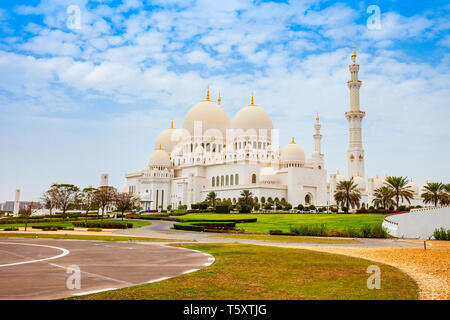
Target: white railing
428, 208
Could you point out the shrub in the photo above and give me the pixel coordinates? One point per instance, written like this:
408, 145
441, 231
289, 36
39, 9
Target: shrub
441, 234
11, 229
94, 229
371, 208
244, 208
310, 230
104, 224
222, 209
300, 207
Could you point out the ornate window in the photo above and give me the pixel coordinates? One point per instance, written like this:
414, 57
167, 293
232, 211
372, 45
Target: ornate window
231, 179
253, 178
236, 179
213, 181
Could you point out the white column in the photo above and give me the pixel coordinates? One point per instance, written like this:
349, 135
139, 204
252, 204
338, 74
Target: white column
16, 203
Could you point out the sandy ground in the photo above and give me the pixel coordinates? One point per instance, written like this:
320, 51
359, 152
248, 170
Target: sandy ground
430, 268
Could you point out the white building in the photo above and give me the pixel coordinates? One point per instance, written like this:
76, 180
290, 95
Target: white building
213, 152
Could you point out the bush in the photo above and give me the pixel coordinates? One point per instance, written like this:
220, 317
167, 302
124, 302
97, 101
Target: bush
222, 209
441, 234
310, 230
280, 233
104, 224
244, 208
94, 229
11, 229
367, 231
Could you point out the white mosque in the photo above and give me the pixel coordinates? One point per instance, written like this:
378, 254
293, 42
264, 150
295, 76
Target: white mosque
213, 152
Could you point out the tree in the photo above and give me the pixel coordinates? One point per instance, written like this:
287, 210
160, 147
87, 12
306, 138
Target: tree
104, 196
65, 195
87, 200
27, 212
212, 198
247, 197
400, 189
124, 201
445, 199
434, 192
49, 199
383, 197
347, 192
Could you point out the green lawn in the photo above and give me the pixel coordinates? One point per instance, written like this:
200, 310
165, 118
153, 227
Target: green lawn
283, 238
136, 223
79, 237
267, 222
261, 273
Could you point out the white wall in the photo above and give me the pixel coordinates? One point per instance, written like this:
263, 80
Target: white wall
419, 223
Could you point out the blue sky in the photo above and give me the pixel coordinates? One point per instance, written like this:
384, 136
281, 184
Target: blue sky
76, 103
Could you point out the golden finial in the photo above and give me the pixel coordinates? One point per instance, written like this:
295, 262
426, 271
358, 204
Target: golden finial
207, 95
219, 99
354, 52
358, 173
293, 142
160, 148
252, 103
377, 176
171, 125
338, 172
317, 117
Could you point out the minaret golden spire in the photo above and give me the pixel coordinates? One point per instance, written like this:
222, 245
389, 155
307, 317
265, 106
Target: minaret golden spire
293, 142
252, 103
317, 117
354, 52
219, 99
160, 147
171, 125
207, 95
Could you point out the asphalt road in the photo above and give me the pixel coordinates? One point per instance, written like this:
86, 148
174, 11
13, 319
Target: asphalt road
38, 268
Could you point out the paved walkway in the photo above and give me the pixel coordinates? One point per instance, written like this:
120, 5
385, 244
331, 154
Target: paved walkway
162, 229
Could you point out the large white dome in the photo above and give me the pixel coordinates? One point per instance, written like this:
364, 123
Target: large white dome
267, 174
252, 117
160, 158
292, 153
168, 139
214, 118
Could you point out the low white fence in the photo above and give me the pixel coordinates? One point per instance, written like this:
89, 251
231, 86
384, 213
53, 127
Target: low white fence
419, 223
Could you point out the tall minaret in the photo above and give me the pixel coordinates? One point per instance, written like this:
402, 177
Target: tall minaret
355, 152
317, 154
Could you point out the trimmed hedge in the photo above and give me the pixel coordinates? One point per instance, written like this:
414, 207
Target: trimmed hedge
321, 230
204, 226
222, 209
104, 224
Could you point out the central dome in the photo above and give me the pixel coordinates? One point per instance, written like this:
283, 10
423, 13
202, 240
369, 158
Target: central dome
292, 153
212, 117
160, 158
252, 117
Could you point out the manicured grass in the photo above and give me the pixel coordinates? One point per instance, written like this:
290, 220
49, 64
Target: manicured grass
136, 223
259, 272
284, 238
79, 237
282, 222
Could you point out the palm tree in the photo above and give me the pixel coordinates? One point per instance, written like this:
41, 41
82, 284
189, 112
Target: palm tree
400, 189
246, 196
434, 192
212, 198
383, 196
445, 199
347, 192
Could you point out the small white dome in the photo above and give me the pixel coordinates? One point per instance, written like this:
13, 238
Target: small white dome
168, 139
413, 186
361, 182
214, 119
160, 158
339, 177
292, 153
378, 183
252, 117
267, 174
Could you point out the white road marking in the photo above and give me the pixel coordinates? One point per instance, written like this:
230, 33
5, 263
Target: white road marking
189, 271
93, 291
157, 280
64, 253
